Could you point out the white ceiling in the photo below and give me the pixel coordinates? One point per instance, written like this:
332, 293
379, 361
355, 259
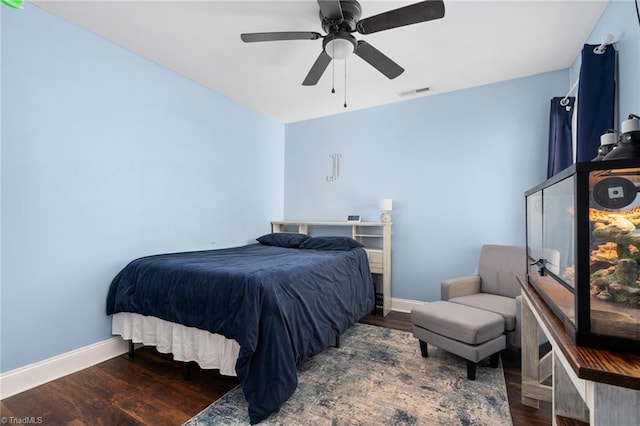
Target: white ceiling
476, 43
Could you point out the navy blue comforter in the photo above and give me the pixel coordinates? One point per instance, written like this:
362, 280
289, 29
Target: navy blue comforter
281, 305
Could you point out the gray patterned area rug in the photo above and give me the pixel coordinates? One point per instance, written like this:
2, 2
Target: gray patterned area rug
378, 377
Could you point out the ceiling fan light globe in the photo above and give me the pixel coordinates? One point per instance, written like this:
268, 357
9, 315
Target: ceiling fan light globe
339, 48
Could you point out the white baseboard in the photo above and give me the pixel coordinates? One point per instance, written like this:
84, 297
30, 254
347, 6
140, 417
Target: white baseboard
405, 305
32, 375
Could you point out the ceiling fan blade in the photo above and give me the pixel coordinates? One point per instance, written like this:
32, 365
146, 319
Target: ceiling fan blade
284, 35
331, 10
412, 14
317, 69
378, 60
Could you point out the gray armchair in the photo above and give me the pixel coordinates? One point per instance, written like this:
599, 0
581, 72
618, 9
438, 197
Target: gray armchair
494, 288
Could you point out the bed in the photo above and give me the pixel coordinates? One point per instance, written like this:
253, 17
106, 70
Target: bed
278, 303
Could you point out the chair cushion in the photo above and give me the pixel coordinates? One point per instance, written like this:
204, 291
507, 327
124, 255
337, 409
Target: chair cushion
505, 306
498, 268
458, 322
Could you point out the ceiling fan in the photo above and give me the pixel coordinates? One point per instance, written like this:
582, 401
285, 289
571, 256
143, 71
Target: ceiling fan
340, 19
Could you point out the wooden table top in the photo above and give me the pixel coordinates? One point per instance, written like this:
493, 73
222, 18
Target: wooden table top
598, 365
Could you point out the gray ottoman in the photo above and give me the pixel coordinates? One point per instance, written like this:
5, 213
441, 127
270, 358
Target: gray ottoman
471, 333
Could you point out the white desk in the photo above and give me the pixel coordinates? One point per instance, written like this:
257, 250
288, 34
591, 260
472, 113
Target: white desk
591, 385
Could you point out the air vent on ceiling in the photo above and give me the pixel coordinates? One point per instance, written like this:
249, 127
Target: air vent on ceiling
415, 91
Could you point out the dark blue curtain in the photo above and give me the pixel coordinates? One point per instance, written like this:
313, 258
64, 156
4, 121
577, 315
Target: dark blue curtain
596, 99
560, 147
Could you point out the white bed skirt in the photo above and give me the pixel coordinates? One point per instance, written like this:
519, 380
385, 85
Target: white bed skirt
185, 343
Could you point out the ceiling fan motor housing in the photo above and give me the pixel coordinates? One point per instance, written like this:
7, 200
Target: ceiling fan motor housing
351, 12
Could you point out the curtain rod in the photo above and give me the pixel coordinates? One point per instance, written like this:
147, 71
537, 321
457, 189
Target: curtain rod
565, 101
599, 50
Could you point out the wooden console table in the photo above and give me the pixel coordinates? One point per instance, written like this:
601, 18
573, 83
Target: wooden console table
590, 385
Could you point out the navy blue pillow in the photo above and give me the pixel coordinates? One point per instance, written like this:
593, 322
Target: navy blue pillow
330, 243
283, 239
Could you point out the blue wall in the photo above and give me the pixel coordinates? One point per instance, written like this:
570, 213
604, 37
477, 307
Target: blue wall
456, 166
107, 157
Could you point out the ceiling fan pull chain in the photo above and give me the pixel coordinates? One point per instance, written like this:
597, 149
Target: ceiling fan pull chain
345, 82
333, 71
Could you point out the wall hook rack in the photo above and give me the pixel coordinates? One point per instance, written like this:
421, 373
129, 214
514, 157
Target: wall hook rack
335, 167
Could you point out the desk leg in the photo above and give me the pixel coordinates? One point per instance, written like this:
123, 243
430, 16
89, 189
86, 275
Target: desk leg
534, 369
530, 353
567, 401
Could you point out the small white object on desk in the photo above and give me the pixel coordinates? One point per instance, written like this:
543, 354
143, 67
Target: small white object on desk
386, 205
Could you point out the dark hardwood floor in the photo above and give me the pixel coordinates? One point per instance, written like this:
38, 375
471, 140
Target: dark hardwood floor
149, 390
